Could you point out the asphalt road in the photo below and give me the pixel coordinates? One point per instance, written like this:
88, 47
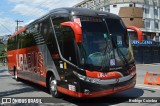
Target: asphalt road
11, 88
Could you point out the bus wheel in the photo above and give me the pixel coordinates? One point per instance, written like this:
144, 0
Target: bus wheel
16, 74
53, 87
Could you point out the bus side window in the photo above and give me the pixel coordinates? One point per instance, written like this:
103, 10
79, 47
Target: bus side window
46, 30
9, 45
65, 39
68, 45
23, 40
12, 44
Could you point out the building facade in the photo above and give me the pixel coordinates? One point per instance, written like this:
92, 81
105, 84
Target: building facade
144, 14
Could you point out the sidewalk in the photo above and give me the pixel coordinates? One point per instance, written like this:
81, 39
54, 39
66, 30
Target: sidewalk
2, 64
153, 64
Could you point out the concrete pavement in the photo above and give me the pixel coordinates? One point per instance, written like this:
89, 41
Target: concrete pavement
11, 88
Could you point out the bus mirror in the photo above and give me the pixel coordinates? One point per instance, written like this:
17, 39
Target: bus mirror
139, 32
76, 28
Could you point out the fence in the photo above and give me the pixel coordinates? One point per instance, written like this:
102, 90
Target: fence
147, 54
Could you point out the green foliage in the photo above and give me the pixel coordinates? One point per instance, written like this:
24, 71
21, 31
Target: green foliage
3, 57
2, 50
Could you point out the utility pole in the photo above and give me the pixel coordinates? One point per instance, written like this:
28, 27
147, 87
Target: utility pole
18, 21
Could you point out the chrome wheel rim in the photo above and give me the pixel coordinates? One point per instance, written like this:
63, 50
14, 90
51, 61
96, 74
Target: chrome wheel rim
53, 86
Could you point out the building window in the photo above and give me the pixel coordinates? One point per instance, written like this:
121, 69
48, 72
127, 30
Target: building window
155, 3
131, 19
146, 10
85, 6
96, 1
90, 4
107, 10
130, 5
157, 38
101, 9
156, 25
156, 12
147, 24
147, 1
101, 1
114, 6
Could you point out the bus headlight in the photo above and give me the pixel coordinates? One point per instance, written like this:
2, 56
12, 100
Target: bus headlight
84, 78
79, 76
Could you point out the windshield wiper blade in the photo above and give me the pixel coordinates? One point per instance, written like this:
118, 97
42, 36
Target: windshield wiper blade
107, 56
124, 58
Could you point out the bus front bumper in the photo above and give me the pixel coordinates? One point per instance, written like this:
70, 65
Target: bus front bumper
91, 90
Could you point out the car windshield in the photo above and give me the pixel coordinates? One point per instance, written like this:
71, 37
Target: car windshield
104, 43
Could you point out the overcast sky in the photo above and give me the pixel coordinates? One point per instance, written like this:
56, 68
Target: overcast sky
27, 11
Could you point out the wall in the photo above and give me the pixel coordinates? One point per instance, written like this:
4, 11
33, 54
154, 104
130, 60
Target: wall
132, 16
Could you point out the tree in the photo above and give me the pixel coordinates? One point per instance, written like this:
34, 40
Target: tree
3, 50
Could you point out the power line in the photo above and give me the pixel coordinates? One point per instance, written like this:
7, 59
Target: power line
18, 21
2, 29
6, 28
38, 12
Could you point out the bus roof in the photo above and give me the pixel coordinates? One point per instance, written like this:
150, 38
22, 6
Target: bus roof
78, 12
83, 12
71, 12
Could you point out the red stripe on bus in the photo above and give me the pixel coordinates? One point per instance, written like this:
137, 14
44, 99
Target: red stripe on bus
103, 75
94, 94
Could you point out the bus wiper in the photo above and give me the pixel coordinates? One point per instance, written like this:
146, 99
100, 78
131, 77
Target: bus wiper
120, 52
126, 62
106, 56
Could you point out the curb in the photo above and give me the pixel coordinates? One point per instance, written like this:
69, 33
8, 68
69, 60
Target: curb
154, 64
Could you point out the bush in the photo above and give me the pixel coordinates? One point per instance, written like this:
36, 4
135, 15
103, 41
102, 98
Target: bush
3, 57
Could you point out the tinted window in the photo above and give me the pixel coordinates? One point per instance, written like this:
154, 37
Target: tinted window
47, 31
26, 39
12, 43
67, 44
104, 41
57, 21
65, 39
118, 31
34, 32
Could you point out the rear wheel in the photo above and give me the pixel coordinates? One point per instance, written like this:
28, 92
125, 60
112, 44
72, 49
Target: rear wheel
53, 87
15, 74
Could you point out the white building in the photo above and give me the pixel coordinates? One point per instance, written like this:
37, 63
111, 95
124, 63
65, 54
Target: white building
144, 14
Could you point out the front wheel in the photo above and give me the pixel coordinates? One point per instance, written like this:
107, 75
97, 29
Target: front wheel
53, 87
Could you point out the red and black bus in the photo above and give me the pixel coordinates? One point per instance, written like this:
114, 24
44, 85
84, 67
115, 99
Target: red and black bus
78, 52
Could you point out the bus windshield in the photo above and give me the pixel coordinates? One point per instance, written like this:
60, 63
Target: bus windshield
104, 43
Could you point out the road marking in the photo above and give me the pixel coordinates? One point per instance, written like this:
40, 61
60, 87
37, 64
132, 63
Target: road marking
147, 86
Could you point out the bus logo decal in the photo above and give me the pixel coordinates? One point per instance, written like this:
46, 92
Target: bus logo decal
30, 61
